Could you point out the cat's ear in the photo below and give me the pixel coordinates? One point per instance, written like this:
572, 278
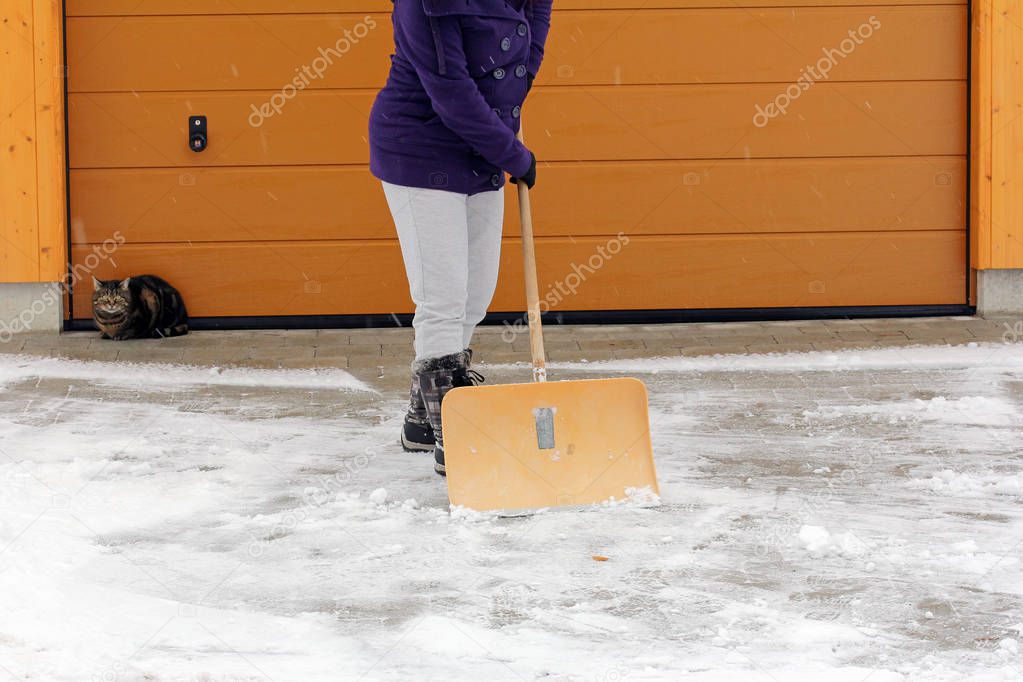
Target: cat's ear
96, 284
124, 284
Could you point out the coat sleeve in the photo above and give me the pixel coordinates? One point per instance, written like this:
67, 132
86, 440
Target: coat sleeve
434, 47
541, 27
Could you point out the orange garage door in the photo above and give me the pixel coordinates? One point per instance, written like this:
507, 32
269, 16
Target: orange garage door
660, 121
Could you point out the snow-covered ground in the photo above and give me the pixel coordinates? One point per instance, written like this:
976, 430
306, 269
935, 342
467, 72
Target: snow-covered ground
831, 516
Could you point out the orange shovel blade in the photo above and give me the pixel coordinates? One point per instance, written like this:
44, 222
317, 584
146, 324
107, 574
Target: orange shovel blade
528, 446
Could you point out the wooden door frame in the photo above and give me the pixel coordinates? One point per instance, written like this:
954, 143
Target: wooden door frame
996, 134
34, 225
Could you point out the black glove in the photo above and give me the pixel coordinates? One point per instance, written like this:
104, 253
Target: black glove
530, 177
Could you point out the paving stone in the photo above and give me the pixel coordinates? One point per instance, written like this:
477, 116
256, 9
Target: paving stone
663, 346
522, 345
501, 358
214, 356
564, 355
108, 354
281, 352
922, 334
881, 326
493, 330
713, 350
364, 351
763, 348
839, 344
300, 337
947, 327
575, 333
809, 337
637, 353
854, 335
841, 324
611, 344
497, 344
204, 339
795, 331
996, 331
957, 340
402, 351
738, 339
607, 328
264, 363
331, 351
334, 336
646, 330
314, 363
375, 361
401, 337
14, 344
158, 355
782, 324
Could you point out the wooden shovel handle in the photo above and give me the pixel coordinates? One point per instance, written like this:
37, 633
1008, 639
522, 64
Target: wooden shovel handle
532, 288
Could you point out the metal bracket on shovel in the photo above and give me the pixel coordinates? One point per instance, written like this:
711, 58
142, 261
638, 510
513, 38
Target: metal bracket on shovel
544, 417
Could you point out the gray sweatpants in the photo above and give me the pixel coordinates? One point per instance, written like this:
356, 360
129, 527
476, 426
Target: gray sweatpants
451, 245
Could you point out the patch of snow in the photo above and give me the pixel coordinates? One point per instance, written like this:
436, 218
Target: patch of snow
20, 368
990, 356
378, 496
970, 410
818, 540
949, 482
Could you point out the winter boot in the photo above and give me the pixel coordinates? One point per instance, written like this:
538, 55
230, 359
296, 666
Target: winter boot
416, 432
437, 376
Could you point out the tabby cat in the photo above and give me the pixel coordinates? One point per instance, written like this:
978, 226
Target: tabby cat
138, 308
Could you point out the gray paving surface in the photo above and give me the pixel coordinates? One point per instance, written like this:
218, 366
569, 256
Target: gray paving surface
366, 351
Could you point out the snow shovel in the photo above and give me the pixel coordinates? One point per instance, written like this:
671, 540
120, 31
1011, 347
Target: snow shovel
521, 447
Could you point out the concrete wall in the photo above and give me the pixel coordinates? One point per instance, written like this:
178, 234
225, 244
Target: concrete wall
30, 307
1000, 292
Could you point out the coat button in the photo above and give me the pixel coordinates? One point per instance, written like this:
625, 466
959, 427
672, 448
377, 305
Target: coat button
516, 112
520, 70
499, 73
506, 44
495, 180
497, 111
523, 30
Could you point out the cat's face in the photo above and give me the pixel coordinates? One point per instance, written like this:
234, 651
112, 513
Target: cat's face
111, 297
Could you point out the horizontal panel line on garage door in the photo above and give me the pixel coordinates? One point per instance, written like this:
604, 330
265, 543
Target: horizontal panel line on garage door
539, 88
174, 8
542, 163
128, 8
554, 239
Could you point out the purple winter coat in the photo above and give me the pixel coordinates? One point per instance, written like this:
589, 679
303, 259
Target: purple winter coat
448, 115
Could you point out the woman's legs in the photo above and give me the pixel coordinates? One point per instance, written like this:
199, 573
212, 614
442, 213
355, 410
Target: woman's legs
486, 221
433, 229
451, 245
